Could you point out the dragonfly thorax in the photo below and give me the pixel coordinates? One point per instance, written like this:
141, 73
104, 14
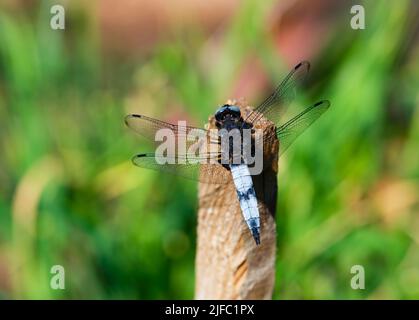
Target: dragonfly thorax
229, 122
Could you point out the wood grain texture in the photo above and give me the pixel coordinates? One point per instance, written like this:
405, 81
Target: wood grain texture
229, 265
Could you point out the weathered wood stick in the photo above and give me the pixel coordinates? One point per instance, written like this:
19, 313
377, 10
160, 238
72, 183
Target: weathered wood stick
229, 265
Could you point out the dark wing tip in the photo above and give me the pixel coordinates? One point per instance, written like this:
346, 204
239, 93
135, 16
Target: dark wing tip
325, 103
128, 117
303, 64
140, 155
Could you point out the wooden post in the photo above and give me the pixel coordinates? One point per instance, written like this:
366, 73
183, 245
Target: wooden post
229, 265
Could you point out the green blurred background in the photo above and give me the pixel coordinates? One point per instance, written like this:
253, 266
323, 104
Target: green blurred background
69, 195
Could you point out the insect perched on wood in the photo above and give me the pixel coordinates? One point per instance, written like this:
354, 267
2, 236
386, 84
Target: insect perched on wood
211, 156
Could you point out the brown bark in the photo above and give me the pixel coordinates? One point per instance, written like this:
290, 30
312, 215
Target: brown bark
229, 265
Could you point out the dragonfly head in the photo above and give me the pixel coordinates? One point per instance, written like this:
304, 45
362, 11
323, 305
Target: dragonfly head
227, 114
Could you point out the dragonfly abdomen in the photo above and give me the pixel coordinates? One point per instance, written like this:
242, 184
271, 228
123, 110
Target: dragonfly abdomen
247, 198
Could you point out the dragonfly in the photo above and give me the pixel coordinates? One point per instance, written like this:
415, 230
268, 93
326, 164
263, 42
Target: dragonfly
207, 166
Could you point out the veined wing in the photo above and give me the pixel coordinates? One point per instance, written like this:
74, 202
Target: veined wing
204, 168
149, 127
274, 106
292, 129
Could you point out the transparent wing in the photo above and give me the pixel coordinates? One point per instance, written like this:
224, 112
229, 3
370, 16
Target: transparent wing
274, 106
148, 128
292, 129
200, 168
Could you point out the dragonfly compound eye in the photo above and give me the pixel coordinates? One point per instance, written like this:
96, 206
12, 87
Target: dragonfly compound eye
234, 110
226, 109
220, 113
